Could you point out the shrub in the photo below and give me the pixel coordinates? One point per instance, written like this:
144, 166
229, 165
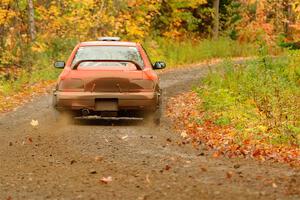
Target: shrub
260, 97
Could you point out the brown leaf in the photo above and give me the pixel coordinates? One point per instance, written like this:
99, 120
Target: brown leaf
229, 174
236, 166
167, 168
73, 162
203, 169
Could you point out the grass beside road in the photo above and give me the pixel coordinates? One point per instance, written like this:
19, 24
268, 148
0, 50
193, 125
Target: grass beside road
260, 98
176, 53
248, 110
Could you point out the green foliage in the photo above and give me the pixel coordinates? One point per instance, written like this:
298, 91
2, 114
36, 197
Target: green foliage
223, 121
189, 51
41, 65
260, 96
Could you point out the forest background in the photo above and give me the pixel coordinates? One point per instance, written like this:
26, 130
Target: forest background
35, 33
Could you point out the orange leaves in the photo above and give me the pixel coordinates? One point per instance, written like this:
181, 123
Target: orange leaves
5, 13
224, 140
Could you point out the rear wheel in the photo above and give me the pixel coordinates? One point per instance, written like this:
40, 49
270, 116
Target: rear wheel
155, 117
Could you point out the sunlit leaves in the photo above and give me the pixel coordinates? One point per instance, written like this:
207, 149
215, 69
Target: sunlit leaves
6, 14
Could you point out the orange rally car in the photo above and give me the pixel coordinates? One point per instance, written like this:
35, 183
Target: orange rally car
109, 79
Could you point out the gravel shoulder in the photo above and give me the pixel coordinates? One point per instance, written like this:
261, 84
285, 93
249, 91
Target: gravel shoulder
145, 162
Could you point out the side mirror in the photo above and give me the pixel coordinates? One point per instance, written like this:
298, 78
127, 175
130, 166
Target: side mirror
159, 65
59, 64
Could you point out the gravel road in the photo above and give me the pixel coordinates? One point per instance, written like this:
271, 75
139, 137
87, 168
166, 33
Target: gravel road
142, 161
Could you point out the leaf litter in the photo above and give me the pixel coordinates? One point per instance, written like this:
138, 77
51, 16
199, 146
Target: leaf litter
222, 139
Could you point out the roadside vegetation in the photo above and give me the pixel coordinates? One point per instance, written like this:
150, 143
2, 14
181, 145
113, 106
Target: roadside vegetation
187, 52
248, 109
260, 98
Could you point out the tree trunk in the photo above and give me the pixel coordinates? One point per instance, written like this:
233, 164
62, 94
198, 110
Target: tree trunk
289, 19
32, 30
216, 19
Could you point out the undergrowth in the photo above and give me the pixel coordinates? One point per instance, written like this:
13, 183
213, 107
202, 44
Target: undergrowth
260, 98
188, 52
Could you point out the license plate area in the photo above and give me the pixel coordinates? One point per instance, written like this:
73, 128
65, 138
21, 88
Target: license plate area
106, 105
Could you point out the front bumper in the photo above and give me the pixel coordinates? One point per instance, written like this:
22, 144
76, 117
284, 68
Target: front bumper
88, 100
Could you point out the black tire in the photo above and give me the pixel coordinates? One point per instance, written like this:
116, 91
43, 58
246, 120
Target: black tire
156, 116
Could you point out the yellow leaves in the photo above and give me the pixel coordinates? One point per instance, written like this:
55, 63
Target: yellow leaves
262, 129
5, 13
196, 3
296, 8
38, 47
186, 3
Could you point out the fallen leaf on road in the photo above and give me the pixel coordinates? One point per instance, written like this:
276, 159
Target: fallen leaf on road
34, 123
147, 178
274, 185
203, 169
236, 166
98, 158
201, 154
106, 179
229, 175
167, 167
73, 162
106, 140
184, 134
124, 137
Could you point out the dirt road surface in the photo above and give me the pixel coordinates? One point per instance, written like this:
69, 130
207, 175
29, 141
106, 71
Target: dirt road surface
143, 162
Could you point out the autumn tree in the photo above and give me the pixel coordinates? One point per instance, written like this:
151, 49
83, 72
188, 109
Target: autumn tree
28, 27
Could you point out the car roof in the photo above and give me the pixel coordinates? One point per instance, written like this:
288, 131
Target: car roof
108, 43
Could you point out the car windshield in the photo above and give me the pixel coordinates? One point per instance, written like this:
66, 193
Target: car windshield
113, 53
